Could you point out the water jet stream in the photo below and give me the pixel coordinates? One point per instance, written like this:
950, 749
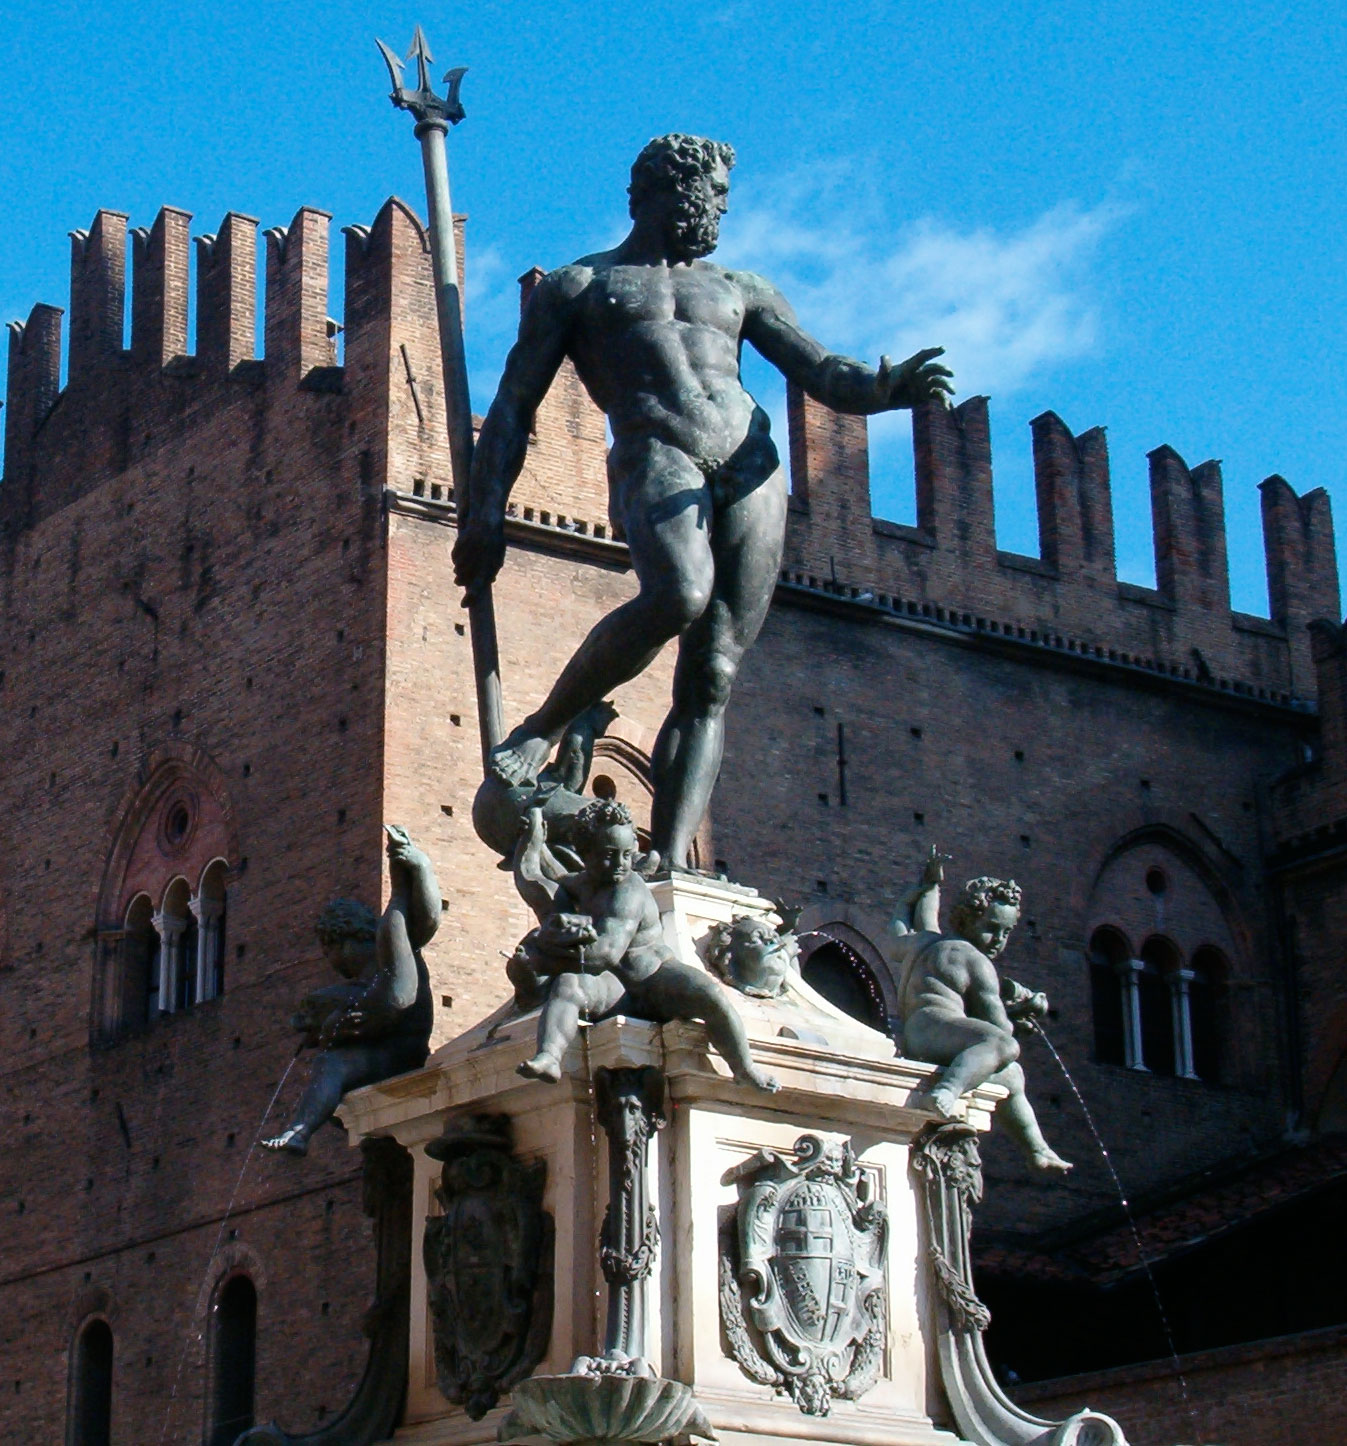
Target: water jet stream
1189, 1409
219, 1240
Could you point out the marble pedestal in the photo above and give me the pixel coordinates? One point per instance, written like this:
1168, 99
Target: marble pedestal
839, 1080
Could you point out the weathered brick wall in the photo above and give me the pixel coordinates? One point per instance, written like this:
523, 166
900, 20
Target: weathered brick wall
309, 1256
197, 564
1308, 871
1269, 1393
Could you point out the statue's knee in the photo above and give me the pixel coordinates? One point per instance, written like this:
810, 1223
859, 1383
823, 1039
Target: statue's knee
715, 675
678, 604
1010, 1050
567, 990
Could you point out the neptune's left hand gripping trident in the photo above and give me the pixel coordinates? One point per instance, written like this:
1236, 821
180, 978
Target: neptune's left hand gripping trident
434, 115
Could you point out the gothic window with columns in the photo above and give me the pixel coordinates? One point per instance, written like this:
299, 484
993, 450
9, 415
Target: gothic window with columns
209, 909
1161, 935
1155, 1010
163, 906
177, 954
134, 957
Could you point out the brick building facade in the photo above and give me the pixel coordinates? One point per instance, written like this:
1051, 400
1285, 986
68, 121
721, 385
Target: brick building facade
231, 649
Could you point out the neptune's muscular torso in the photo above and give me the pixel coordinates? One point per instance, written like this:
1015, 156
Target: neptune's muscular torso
658, 350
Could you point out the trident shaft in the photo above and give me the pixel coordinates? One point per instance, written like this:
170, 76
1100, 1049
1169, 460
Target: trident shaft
434, 115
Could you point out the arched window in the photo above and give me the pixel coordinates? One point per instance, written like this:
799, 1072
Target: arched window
1157, 1013
1166, 929
172, 844
140, 966
1109, 953
1161, 1033
209, 908
843, 978
233, 1361
1206, 997
178, 935
90, 1418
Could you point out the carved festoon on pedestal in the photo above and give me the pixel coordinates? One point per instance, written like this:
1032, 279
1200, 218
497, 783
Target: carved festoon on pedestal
948, 1168
488, 1260
629, 1105
802, 1261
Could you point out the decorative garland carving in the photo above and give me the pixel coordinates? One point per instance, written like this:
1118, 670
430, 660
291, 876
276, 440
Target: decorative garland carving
948, 1168
949, 1157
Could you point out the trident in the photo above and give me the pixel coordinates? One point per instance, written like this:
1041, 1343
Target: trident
434, 115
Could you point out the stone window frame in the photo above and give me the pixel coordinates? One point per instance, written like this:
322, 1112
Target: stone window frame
187, 884
1159, 958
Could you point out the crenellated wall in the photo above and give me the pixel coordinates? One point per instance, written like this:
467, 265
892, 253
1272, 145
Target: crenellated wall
119, 404
947, 568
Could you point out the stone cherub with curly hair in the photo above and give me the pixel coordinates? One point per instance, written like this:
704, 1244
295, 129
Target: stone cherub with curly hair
957, 1012
599, 947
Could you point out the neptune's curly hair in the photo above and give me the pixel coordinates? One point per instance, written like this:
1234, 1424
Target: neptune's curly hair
669, 162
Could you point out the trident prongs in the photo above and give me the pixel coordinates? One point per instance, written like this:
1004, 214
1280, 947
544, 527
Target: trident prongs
423, 103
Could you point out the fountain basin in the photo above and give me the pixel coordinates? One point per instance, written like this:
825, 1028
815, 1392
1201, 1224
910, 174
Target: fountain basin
579, 1410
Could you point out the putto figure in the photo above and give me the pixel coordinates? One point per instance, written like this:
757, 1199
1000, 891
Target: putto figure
655, 333
378, 1023
957, 1012
599, 947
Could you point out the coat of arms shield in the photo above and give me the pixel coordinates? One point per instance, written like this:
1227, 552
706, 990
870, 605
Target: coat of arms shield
802, 1271
488, 1264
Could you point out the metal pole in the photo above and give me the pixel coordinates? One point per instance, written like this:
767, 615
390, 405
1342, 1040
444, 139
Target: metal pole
434, 115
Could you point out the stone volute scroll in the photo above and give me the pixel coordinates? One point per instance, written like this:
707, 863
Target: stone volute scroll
948, 1170
802, 1261
488, 1260
375, 1405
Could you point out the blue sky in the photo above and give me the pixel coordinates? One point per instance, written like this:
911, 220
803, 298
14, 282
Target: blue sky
1131, 214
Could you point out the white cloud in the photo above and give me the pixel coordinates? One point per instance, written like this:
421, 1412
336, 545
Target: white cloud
487, 276
1004, 304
